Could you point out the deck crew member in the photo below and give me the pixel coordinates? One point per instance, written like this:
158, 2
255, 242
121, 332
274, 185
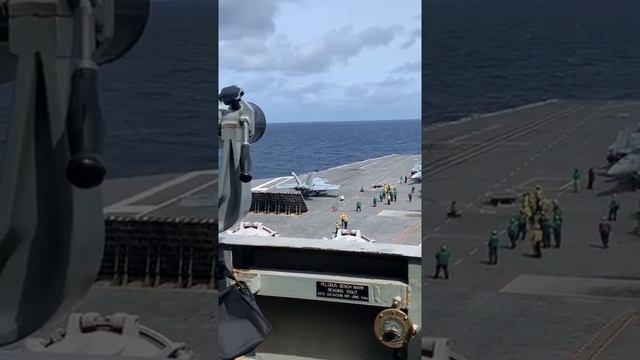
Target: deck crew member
576, 180
536, 240
344, 220
405, 179
591, 176
410, 196
522, 226
527, 206
557, 229
358, 206
614, 205
526, 201
492, 244
605, 232
545, 226
453, 211
413, 189
527, 212
538, 196
375, 201
337, 227
512, 231
442, 262
556, 208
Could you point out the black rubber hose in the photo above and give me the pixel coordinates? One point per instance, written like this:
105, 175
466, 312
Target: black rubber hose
86, 129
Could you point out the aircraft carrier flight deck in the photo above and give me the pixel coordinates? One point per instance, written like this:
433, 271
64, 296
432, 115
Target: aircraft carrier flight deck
576, 301
158, 259
397, 223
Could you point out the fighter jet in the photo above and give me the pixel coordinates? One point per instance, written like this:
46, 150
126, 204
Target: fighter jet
626, 142
628, 166
417, 176
311, 186
416, 168
626, 155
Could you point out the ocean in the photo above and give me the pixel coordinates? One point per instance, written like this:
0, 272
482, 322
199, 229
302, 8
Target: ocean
305, 147
159, 100
487, 55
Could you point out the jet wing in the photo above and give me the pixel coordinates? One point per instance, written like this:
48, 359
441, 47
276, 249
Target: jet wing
324, 187
287, 186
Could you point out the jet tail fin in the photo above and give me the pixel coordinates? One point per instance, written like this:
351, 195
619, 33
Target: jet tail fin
622, 140
297, 178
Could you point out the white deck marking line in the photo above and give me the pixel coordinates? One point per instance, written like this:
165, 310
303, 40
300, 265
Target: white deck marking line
284, 181
264, 186
566, 186
156, 189
474, 251
469, 205
437, 228
458, 262
490, 128
629, 319
472, 133
176, 198
406, 233
366, 166
457, 139
135, 209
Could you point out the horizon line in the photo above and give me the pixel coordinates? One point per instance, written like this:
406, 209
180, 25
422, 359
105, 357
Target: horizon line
332, 121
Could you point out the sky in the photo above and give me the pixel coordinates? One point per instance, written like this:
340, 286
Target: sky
323, 60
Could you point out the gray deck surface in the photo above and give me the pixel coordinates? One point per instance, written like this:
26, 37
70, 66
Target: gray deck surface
397, 223
527, 308
190, 195
181, 315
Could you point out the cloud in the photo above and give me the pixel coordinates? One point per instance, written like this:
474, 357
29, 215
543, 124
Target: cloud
278, 53
414, 36
410, 67
329, 94
239, 19
390, 97
260, 84
391, 88
291, 75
